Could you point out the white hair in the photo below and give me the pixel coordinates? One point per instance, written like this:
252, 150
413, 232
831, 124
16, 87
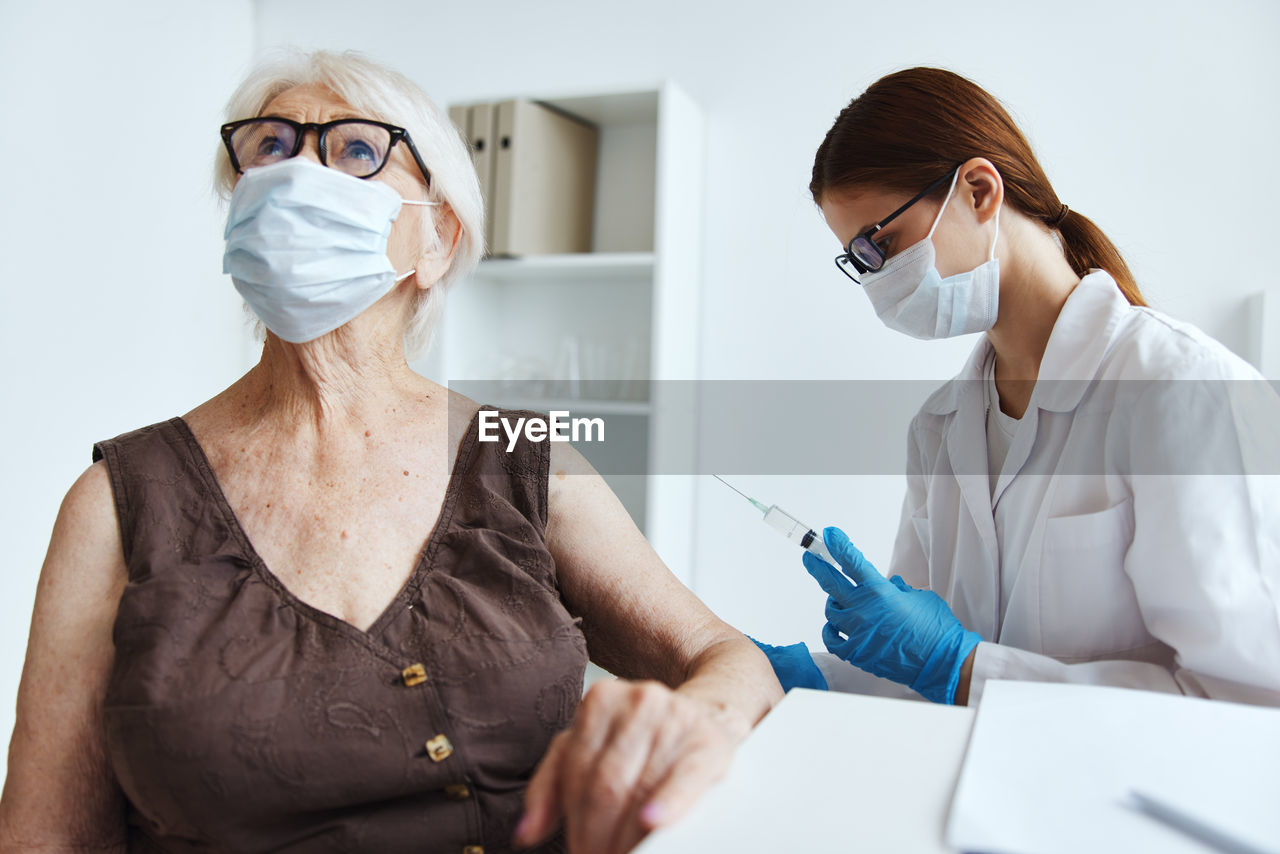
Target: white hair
385, 95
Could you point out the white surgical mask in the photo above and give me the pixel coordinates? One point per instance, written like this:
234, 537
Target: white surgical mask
307, 245
910, 296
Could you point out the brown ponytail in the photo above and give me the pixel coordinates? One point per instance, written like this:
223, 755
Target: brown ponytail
911, 126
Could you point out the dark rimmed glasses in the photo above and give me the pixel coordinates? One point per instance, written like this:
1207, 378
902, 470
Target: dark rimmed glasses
358, 147
864, 254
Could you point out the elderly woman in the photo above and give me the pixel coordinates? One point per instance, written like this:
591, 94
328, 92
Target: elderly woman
241, 641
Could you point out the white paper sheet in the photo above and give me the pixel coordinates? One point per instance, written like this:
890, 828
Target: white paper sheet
1050, 767
832, 772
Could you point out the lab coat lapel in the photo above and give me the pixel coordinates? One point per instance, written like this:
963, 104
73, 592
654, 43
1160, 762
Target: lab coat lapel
1019, 451
1079, 340
1083, 333
974, 587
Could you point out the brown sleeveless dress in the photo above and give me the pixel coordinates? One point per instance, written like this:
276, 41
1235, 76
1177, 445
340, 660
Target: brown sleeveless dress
240, 719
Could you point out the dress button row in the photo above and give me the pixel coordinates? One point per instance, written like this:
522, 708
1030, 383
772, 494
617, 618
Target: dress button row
457, 792
414, 674
439, 748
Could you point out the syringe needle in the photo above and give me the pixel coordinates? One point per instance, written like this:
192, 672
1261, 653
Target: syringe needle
731, 486
754, 503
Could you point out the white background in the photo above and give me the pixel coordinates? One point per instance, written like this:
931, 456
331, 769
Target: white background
1157, 120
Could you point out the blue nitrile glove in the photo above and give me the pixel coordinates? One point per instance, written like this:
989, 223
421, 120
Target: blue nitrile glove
886, 626
793, 665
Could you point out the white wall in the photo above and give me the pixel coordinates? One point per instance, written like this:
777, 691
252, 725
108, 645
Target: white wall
114, 312
1158, 120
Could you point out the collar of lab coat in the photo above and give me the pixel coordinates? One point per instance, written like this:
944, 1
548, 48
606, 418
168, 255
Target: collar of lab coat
1081, 335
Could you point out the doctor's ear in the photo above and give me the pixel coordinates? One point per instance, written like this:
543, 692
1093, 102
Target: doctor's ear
436, 256
982, 187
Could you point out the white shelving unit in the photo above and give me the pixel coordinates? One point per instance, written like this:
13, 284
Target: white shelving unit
625, 313
1264, 333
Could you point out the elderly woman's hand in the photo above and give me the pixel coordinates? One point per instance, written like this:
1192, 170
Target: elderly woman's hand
637, 756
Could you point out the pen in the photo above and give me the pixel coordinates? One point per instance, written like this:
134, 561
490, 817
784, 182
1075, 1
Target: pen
1174, 817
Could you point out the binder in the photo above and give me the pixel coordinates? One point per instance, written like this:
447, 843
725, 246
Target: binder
543, 180
475, 123
481, 124
458, 114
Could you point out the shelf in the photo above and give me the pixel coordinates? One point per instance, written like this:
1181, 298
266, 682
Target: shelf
581, 266
577, 406
617, 108
620, 317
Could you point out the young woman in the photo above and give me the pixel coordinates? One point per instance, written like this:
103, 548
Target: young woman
1094, 497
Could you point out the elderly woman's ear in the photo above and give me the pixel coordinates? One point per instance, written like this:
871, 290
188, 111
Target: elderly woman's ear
435, 259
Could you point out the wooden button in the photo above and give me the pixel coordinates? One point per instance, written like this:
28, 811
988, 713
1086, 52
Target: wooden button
473, 849
414, 674
439, 748
457, 792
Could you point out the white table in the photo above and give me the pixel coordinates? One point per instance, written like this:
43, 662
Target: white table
832, 772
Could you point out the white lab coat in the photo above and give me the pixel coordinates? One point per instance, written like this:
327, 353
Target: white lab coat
1140, 555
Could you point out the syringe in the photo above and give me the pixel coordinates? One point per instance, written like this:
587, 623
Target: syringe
789, 526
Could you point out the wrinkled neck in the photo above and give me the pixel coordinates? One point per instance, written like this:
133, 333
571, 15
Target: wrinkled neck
343, 378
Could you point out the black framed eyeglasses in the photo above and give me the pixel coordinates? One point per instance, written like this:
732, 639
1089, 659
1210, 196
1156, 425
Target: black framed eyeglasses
358, 147
864, 254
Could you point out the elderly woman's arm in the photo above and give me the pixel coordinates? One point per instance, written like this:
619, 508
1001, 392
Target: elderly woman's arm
638, 753
60, 793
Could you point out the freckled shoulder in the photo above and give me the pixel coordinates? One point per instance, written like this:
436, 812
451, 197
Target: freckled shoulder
460, 410
568, 474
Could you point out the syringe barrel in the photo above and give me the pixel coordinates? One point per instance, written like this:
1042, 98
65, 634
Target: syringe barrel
798, 532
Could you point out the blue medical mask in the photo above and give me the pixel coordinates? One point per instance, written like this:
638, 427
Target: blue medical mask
910, 296
307, 246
